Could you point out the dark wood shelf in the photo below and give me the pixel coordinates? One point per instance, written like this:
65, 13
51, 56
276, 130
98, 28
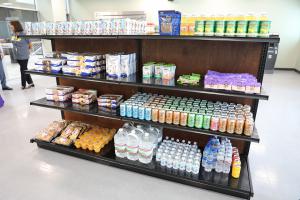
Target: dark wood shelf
270, 39
222, 183
136, 81
94, 111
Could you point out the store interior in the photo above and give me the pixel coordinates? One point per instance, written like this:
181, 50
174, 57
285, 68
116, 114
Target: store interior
152, 99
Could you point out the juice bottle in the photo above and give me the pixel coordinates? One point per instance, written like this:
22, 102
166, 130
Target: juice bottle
253, 25
220, 25
230, 25
209, 29
184, 25
241, 26
264, 25
199, 25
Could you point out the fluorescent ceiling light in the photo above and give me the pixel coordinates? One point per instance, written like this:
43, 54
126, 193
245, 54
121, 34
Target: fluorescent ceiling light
7, 4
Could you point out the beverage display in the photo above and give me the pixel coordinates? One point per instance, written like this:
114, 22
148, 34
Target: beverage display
194, 113
177, 155
217, 155
95, 138
137, 143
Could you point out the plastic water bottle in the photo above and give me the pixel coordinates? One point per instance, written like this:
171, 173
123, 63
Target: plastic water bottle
196, 166
227, 164
163, 161
176, 162
182, 163
220, 161
120, 143
146, 148
154, 132
209, 162
189, 164
132, 145
158, 155
169, 161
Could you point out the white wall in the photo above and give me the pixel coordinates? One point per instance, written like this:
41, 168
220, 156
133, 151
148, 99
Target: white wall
44, 8
285, 15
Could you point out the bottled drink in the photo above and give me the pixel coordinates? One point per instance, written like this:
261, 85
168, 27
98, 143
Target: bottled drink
132, 145
169, 161
146, 148
176, 162
158, 155
163, 161
189, 164
154, 132
196, 166
182, 163
220, 160
120, 143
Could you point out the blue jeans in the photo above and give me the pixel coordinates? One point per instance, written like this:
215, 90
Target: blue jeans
2, 75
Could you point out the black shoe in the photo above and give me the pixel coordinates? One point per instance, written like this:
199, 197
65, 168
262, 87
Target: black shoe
23, 87
7, 88
30, 85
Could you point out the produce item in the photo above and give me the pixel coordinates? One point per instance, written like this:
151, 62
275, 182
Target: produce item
84, 96
192, 79
70, 133
95, 138
242, 82
51, 131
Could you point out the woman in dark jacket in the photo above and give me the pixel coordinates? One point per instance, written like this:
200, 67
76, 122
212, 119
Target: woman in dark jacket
21, 48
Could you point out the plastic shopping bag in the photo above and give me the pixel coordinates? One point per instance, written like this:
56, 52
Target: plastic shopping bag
1, 101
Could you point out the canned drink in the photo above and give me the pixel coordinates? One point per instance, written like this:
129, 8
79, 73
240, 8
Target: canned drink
198, 120
148, 113
154, 114
214, 123
162, 116
169, 116
183, 118
176, 117
135, 111
129, 110
239, 125
191, 119
141, 112
222, 124
123, 109
206, 121
231, 124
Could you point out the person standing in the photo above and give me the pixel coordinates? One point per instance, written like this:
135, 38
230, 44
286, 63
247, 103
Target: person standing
21, 48
2, 73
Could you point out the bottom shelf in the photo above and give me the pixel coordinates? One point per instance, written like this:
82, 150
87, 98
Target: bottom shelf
222, 183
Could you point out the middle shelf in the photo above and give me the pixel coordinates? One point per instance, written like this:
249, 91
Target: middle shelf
93, 110
136, 81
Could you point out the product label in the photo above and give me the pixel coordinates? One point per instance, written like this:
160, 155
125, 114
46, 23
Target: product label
230, 27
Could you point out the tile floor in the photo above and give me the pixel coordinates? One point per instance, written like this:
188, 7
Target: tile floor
29, 173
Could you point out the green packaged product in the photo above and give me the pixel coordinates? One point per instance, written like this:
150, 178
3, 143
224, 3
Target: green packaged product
253, 27
191, 120
264, 28
206, 121
198, 120
230, 27
209, 29
199, 27
220, 28
241, 28
148, 70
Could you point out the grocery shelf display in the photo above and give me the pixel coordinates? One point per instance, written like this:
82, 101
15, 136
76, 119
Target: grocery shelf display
191, 57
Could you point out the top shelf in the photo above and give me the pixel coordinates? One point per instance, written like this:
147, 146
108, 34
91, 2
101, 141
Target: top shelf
270, 39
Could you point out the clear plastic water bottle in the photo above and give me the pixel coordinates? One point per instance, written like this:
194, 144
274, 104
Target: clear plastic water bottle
154, 132
227, 164
120, 143
189, 165
209, 162
163, 161
182, 163
176, 162
132, 145
158, 155
146, 147
220, 161
169, 161
196, 166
